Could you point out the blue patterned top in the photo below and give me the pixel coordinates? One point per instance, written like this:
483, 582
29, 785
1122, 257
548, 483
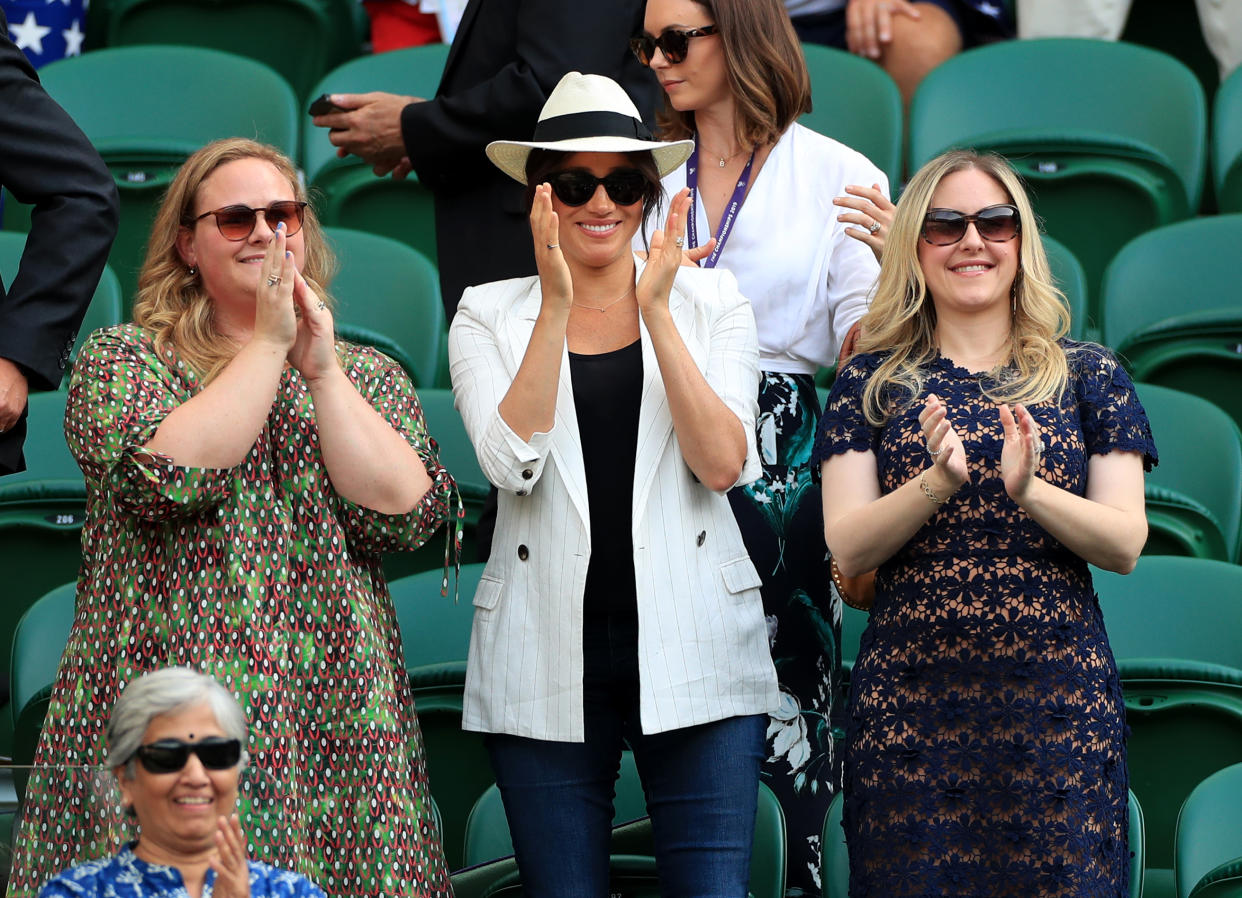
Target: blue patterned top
126, 876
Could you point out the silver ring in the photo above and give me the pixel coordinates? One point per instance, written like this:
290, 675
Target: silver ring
935, 453
322, 305
272, 280
680, 242
875, 227
1039, 446
551, 245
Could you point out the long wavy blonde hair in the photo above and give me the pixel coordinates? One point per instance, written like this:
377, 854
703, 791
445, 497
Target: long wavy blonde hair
171, 302
902, 318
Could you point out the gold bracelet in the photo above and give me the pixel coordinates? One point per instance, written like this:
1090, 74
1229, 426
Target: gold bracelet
927, 490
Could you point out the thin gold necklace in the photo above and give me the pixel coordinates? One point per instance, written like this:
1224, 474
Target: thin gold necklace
607, 306
725, 159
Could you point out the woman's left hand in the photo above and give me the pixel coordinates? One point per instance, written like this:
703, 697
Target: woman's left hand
665, 257
229, 860
1023, 450
871, 211
314, 351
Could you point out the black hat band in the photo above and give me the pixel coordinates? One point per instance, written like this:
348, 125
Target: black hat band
578, 125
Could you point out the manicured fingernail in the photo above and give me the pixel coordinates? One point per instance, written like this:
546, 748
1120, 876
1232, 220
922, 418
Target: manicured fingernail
288, 254
280, 225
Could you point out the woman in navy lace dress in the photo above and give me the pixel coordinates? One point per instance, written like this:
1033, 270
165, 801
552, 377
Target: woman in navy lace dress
981, 461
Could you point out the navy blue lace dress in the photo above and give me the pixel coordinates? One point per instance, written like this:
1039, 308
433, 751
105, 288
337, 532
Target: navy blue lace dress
985, 750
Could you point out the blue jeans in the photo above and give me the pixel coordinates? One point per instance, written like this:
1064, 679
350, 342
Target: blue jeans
700, 784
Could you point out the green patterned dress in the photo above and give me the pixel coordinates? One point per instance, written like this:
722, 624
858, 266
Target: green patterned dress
264, 577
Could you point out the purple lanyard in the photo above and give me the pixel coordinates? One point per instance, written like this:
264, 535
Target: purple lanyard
726, 220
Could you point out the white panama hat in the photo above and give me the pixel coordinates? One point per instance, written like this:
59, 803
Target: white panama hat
588, 114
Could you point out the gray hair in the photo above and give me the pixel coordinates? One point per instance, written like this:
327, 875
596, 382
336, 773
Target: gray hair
168, 691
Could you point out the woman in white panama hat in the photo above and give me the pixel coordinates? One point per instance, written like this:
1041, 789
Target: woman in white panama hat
611, 400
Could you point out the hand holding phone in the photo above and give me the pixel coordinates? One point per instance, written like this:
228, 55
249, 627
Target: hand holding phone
323, 105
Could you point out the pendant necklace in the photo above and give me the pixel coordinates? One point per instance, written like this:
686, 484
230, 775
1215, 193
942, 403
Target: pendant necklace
609, 305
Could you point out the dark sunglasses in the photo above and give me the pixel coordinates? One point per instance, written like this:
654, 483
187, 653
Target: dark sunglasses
625, 186
943, 227
171, 755
673, 44
237, 222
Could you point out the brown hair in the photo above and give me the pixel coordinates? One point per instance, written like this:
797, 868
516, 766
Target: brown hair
171, 302
766, 70
902, 320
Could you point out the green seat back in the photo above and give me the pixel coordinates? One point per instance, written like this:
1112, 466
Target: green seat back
1173, 626
1201, 461
1208, 859
145, 137
293, 37
1176, 608
1178, 331
858, 103
1227, 143
834, 857
42, 510
435, 629
39, 639
1069, 276
105, 309
386, 287
351, 195
1111, 137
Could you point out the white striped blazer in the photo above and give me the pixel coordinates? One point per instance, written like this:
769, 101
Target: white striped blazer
702, 642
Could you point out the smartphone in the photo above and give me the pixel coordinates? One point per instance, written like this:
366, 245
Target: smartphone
323, 105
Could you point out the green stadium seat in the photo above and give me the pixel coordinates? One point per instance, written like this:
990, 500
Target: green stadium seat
435, 635
145, 136
858, 103
1173, 626
39, 639
1208, 861
386, 287
1193, 505
1171, 311
42, 511
105, 309
1110, 137
351, 195
1068, 273
1227, 143
296, 38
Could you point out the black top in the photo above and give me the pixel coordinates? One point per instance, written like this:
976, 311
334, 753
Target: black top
607, 393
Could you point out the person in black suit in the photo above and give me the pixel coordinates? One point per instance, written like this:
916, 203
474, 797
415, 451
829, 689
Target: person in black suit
505, 60
45, 160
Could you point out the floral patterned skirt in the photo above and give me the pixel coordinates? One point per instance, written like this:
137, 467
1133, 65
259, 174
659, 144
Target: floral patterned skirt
781, 519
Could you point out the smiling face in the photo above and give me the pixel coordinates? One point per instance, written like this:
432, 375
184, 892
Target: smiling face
700, 80
974, 275
598, 232
178, 811
229, 269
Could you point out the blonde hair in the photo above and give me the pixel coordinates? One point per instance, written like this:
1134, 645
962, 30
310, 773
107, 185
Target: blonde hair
171, 303
902, 320
766, 70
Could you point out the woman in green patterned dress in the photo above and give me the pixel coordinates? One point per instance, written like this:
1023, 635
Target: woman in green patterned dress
245, 471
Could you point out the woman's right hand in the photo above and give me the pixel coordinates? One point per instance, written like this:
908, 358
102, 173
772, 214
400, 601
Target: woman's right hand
944, 446
275, 321
229, 860
554, 279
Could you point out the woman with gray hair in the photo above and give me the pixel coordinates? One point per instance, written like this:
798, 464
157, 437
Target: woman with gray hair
176, 745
